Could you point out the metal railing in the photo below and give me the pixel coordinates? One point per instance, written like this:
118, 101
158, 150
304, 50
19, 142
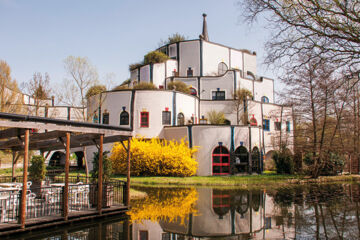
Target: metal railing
49, 200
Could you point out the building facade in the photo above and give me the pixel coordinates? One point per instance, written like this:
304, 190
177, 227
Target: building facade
214, 73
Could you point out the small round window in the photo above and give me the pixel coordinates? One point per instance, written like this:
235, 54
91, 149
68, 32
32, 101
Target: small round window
222, 68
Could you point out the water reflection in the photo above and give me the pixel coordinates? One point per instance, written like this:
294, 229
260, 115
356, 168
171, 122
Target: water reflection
311, 212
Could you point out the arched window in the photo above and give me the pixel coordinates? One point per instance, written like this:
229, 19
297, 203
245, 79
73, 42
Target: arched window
180, 119
222, 68
255, 158
253, 121
242, 159
221, 202
193, 91
124, 118
264, 99
221, 161
95, 118
105, 118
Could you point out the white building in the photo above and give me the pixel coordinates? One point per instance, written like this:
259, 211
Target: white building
214, 72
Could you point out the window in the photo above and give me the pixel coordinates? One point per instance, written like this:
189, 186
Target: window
124, 118
190, 72
105, 119
171, 51
166, 117
144, 119
278, 126
143, 235
264, 99
218, 95
253, 121
221, 161
266, 125
288, 126
193, 91
222, 68
95, 118
203, 120
180, 119
165, 236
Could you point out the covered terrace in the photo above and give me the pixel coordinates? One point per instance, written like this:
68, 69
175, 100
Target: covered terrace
61, 199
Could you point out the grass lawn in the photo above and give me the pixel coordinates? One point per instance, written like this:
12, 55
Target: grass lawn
263, 180
255, 180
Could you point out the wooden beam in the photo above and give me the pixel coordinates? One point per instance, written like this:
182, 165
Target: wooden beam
11, 132
128, 165
54, 127
22, 213
66, 187
100, 177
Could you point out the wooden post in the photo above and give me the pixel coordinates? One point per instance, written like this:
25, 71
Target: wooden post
128, 166
24, 187
100, 177
66, 187
13, 165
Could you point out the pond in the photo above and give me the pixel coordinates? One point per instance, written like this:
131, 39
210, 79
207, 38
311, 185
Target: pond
297, 212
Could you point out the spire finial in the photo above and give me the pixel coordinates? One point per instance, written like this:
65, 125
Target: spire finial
204, 34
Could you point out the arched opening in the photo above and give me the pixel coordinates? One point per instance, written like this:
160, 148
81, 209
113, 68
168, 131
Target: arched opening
221, 161
264, 99
253, 121
269, 164
222, 68
124, 118
221, 202
256, 200
241, 202
180, 119
57, 159
242, 159
255, 158
227, 122
80, 159
193, 91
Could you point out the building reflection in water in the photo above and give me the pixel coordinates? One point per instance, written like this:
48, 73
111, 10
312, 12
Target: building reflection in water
231, 214
311, 212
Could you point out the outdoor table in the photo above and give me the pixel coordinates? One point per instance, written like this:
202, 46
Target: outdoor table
9, 185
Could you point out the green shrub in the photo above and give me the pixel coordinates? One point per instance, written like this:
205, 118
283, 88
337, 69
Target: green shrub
135, 65
107, 167
283, 161
94, 90
215, 117
179, 86
334, 165
155, 57
145, 85
37, 169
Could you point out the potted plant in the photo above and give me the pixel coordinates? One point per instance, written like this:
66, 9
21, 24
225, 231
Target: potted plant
107, 172
37, 172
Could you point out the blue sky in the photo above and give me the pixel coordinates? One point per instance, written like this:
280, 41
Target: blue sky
37, 35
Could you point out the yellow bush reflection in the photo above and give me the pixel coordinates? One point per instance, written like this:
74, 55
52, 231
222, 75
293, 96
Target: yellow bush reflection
165, 204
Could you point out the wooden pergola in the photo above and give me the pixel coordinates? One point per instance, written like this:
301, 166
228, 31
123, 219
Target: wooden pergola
24, 133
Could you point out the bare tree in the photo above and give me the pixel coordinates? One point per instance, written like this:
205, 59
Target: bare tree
320, 96
240, 97
81, 76
39, 88
328, 28
10, 97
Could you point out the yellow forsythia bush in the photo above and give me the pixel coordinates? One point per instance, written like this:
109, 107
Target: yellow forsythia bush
155, 157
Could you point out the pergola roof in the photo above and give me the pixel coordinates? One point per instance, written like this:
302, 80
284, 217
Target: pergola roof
49, 134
